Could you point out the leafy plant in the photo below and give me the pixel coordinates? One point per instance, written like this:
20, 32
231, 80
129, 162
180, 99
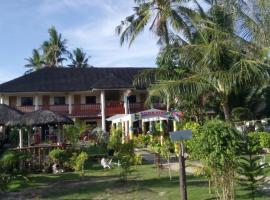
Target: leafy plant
250, 171
58, 156
125, 154
218, 147
78, 161
73, 132
12, 165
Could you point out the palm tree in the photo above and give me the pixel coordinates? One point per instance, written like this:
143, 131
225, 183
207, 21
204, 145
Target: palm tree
79, 58
54, 48
164, 18
35, 62
218, 62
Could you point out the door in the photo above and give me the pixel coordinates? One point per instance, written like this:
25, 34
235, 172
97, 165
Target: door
12, 101
46, 101
77, 99
77, 107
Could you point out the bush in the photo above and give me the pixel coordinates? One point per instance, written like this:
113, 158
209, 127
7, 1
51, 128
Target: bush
12, 165
263, 138
77, 161
125, 154
115, 139
58, 156
142, 140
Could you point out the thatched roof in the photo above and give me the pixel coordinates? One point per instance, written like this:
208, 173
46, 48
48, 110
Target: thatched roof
41, 117
8, 113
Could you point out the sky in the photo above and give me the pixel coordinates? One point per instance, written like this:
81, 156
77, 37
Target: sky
87, 24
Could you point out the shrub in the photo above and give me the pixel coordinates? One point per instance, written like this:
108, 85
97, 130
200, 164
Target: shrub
73, 132
142, 140
261, 138
125, 154
12, 165
218, 145
58, 156
77, 161
115, 139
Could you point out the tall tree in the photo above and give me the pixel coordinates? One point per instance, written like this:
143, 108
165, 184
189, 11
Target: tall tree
79, 58
163, 17
54, 48
35, 62
218, 62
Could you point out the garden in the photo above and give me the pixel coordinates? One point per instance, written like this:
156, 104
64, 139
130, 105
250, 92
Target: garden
222, 163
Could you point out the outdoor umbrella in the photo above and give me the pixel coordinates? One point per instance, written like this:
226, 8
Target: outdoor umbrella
8, 114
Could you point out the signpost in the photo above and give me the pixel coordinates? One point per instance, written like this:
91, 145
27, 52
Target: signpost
180, 136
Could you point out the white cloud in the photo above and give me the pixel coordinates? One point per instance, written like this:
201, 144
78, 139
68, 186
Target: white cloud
99, 39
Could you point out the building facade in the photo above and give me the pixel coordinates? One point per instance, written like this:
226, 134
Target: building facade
91, 94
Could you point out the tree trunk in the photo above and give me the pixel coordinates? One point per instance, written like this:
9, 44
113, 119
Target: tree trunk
226, 110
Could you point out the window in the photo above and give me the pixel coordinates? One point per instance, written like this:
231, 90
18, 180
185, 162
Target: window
90, 100
26, 101
59, 100
132, 99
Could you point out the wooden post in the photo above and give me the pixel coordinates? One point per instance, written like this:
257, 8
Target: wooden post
182, 173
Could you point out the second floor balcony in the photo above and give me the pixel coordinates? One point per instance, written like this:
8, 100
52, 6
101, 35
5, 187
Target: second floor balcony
91, 110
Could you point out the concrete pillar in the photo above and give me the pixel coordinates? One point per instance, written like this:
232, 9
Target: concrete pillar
126, 128
143, 127
123, 131
103, 107
36, 102
161, 128
131, 131
1, 100
126, 104
20, 138
174, 125
70, 104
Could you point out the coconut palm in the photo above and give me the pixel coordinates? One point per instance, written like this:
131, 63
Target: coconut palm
54, 48
35, 62
218, 62
79, 58
163, 17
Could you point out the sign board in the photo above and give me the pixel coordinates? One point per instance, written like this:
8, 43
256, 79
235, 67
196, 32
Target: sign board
181, 135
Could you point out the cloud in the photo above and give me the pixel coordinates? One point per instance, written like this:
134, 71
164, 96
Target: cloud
99, 39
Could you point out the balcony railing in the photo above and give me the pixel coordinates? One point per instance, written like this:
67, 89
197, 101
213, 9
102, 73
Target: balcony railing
86, 109
113, 108
91, 110
136, 107
62, 109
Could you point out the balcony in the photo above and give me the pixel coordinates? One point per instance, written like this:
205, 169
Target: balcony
92, 110
85, 110
113, 108
62, 109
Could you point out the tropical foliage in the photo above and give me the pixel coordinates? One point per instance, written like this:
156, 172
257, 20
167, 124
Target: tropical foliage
78, 58
54, 52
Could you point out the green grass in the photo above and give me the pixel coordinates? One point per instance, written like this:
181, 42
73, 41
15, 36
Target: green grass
97, 183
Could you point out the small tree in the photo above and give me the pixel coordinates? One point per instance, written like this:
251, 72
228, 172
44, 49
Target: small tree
78, 161
250, 171
218, 147
73, 132
125, 154
165, 152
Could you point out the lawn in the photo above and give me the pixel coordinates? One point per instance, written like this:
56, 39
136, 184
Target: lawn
97, 183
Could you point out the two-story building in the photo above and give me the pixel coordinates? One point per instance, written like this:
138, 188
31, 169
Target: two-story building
91, 94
